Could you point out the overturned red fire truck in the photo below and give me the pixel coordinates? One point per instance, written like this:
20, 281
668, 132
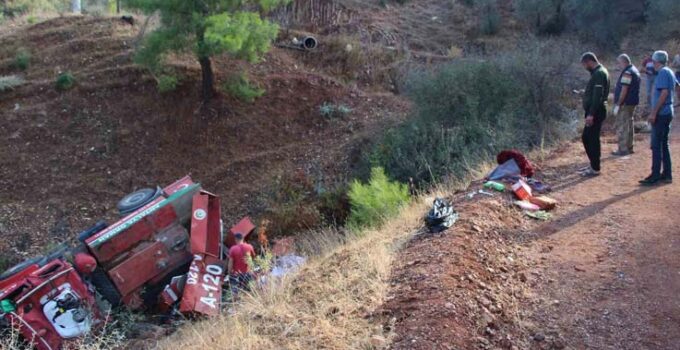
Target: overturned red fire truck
167, 252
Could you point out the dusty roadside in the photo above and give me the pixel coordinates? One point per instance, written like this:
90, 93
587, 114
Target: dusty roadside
602, 274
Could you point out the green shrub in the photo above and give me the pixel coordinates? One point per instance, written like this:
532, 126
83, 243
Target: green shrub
331, 111
489, 16
65, 81
240, 87
10, 82
598, 22
167, 83
375, 201
544, 16
467, 111
22, 59
662, 17
15, 8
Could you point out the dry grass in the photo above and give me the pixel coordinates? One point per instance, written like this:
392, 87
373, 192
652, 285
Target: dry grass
328, 303
324, 306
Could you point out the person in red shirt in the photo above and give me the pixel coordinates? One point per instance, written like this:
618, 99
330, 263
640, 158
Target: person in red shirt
240, 255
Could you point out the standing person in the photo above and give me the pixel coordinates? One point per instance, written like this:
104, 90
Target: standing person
239, 268
660, 119
676, 66
595, 107
626, 99
650, 74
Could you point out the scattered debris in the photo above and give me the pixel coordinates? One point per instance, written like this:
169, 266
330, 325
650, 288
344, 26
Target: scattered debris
543, 202
496, 186
509, 169
287, 264
441, 216
526, 205
539, 215
522, 190
525, 166
473, 194
538, 186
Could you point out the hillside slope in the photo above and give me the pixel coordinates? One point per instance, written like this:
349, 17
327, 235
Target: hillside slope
67, 157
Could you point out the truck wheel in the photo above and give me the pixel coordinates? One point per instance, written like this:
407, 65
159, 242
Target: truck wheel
19, 267
105, 287
136, 200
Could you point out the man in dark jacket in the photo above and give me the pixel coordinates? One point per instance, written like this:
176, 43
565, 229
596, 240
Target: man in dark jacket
626, 99
595, 107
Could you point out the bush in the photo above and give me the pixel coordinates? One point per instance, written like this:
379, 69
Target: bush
167, 83
10, 82
662, 17
65, 81
489, 16
598, 21
469, 110
544, 16
239, 86
15, 8
371, 203
22, 59
331, 111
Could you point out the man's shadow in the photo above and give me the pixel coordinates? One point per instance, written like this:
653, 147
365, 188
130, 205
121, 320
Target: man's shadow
584, 213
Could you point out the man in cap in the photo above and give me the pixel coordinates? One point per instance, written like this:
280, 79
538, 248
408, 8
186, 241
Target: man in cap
650, 74
595, 107
240, 258
626, 99
660, 119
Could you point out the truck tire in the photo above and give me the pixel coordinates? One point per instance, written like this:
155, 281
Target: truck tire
105, 287
20, 267
136, 200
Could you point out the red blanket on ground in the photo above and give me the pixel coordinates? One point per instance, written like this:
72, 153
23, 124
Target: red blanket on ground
524, 164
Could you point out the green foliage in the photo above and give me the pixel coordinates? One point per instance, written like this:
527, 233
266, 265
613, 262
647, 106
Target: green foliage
470, 110
241, 88
244, 35
22, 59
207, 28
489, 16
167, 83
15, 8
10, 82
332, 111
599, 22
662, 17
375, 201
65, 81
544, 16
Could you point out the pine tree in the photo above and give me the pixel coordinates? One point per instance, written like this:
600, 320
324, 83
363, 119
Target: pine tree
207, 28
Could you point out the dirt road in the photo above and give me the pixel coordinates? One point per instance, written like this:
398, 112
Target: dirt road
614, 259
604, 273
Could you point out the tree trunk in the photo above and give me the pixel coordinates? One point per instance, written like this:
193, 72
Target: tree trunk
206, 66
208, 78
118, 6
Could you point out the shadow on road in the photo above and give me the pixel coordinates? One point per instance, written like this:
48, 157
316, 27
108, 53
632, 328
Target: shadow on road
584, 213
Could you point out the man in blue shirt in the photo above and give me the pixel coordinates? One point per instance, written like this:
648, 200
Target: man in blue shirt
626, 99
660, 119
